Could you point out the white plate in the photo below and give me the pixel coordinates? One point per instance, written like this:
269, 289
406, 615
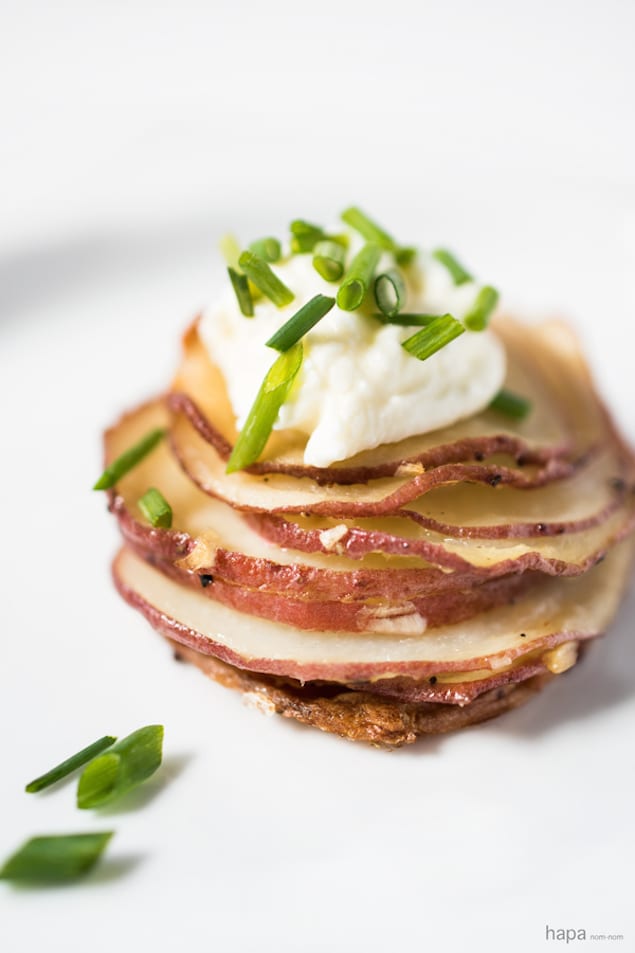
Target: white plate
259, 834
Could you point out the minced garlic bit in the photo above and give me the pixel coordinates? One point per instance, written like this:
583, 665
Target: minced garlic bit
202, 554
409, 469
402, 619
331, 537
561, 658
498, 662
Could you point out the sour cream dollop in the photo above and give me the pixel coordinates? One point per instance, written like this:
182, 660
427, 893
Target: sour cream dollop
357, 387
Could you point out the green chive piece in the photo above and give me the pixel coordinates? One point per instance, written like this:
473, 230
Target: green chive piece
405, 256
358, 278
407, 320
156, 508
273, 392
456, 269
373, 232
230, 250
368, 229
390, 292
510, 404
340, 239
329, 258
263, 277
301, 322
267, 248
55, 858
304, 236
478, 317
121, 768
129, 459
64, 768
240, 284
435, 336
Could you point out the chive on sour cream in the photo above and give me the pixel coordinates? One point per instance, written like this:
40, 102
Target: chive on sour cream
358, 387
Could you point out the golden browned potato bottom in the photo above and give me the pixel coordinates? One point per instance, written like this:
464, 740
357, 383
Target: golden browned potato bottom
360, 716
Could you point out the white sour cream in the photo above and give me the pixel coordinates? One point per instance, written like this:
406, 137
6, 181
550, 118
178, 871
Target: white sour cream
357, 387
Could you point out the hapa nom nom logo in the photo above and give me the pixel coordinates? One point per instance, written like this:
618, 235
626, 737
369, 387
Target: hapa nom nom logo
569, 935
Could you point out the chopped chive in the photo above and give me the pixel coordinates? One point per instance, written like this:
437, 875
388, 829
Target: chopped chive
267, 248
329, 258
156, 508
273, 392
405, 255
129, 459
304, 236
230, 250
340, 239
301, 322
263, 277
240, 284
368, 229
456, 269
478, 317
358, 278
121, 768
407, 320
432, 338
510, 404
390, 292
55, 858
64, 768
373, 232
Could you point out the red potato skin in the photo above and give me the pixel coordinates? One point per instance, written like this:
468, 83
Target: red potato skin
269, 576
391, 584
461, 451
523, 530
349, 616
165, 543
283, 533
413, 690
345, 672
439, 456
392, 503
358, 543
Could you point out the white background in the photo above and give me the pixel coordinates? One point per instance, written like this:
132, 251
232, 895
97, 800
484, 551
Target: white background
131, 136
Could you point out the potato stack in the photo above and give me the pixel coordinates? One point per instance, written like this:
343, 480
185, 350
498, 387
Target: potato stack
415, 588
